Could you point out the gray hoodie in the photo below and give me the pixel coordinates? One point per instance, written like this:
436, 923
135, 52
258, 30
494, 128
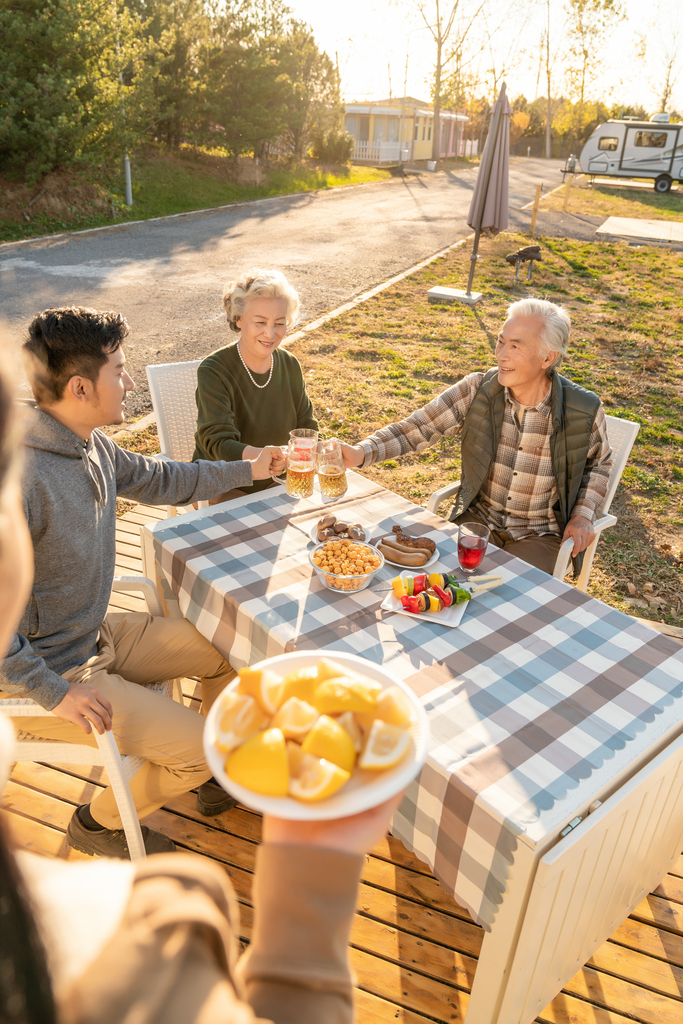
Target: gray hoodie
70, 490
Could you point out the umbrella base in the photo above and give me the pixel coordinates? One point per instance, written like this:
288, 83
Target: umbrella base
439, 294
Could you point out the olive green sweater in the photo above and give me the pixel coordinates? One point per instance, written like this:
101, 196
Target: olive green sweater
232, 413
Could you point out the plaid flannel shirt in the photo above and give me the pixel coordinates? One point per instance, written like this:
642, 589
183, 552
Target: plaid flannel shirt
519, 492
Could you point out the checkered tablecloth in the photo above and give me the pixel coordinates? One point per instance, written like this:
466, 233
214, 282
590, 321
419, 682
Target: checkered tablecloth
533, 692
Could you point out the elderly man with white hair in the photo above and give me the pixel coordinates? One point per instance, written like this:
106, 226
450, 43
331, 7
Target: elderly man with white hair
535, 454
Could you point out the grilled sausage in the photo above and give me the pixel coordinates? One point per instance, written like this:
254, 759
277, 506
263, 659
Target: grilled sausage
412, 558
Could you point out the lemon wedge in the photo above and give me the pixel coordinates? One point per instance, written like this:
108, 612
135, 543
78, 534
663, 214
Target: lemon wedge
301, 683
295, 718
386, 746
328, 669
262, 684
348, 722
329, 740
392, 706
241, 718
295, 757
317, 779
346, 693
261, 764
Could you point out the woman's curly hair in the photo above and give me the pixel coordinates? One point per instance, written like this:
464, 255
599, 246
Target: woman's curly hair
258, 284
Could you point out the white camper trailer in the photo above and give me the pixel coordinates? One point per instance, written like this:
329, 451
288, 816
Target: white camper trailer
636, 149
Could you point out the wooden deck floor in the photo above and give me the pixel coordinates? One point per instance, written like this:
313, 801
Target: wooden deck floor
414, 950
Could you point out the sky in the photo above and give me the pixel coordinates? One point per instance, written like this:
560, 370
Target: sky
369, 39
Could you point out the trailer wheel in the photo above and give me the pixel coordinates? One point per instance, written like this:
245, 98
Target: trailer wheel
662, 183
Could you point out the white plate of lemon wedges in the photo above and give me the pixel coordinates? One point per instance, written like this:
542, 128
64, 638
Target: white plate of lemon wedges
309, 736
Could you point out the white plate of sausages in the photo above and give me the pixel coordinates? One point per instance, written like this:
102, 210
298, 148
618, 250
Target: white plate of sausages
388, 541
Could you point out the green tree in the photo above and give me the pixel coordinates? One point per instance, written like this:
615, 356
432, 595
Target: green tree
309, 83
175, 31
74, 85
243, 85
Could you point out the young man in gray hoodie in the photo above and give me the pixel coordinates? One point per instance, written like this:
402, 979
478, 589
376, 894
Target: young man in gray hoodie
87, 667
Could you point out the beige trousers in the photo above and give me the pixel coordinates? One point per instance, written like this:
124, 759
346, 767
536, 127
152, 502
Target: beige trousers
136, 649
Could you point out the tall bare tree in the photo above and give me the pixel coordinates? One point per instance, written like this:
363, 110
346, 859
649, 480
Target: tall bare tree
671, 68
588, 22
550, 55
441, 18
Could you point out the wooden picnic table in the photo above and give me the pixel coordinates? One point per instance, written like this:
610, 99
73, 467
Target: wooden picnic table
550, 801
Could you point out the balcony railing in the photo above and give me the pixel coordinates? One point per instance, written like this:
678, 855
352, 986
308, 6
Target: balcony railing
380, 152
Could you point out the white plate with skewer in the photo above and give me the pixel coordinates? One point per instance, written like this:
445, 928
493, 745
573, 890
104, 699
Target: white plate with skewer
451, 616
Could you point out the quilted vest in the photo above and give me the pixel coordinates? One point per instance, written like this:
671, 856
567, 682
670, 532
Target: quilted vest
573, 410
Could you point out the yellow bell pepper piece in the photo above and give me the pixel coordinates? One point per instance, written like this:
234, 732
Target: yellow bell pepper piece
398, 587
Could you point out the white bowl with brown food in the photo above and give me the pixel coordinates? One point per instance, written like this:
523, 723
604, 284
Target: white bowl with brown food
399, 548
344, 564
331, 528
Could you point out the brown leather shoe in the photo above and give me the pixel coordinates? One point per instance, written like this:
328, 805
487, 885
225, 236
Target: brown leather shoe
112, 842
212, 799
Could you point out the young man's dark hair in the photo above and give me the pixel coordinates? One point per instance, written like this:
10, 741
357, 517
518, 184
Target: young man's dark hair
69, 341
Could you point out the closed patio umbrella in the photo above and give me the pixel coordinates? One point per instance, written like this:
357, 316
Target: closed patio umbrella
489, 207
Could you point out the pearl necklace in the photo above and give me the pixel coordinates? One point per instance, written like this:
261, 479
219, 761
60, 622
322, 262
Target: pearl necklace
272, 363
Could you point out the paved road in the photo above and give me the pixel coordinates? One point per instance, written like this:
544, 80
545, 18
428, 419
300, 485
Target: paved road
167, 276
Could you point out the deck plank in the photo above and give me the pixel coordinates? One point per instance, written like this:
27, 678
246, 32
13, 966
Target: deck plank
414, 950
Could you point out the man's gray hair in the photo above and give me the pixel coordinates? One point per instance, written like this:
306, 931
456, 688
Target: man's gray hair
555, 329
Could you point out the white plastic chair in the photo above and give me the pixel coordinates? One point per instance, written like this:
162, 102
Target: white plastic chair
621, 435
120, 769
172, 389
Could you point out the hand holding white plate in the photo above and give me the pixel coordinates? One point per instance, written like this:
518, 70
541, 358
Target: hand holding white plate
365, 788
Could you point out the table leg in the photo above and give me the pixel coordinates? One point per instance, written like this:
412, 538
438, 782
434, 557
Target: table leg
498, 949
148, 560
150, 569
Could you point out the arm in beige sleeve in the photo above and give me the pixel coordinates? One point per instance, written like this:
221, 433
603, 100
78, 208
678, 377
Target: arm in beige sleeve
297, 967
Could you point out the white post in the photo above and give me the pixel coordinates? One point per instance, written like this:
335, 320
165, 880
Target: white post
403, 111
129, 187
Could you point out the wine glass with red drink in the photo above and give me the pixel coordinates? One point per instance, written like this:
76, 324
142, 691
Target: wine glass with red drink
472, 541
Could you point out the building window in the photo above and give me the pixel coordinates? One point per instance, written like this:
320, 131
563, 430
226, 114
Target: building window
379, 129
610, 144
417, 130
651, 140
429, 133
424, 129
351, 125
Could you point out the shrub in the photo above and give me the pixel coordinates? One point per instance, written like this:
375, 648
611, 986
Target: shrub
332, 147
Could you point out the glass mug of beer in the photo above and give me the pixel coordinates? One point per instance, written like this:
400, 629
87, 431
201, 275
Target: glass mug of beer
302, 458
331, 471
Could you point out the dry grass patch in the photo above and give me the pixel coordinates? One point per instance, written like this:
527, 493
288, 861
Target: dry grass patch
610, 201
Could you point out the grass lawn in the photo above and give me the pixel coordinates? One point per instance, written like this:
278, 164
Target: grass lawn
609, 201
390, 355
166, 183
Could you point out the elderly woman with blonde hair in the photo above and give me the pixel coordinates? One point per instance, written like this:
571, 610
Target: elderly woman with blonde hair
251, 393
